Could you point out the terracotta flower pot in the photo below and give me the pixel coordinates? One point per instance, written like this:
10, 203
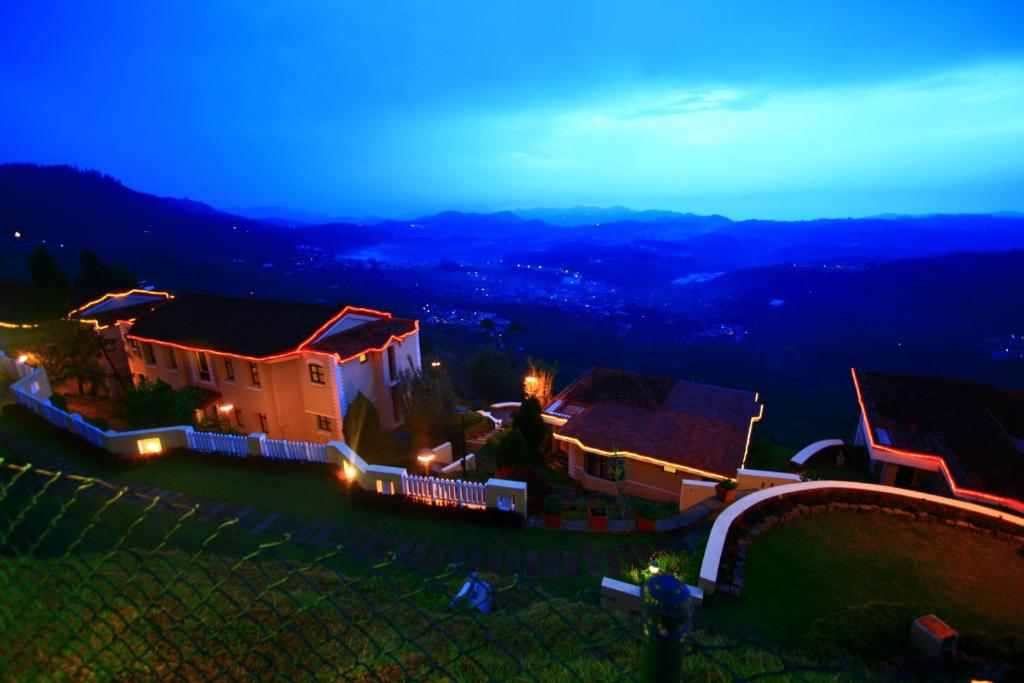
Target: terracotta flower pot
552, 521
725, 495
644, 524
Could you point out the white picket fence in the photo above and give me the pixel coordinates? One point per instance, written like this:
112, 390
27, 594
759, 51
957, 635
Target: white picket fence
295, 450
212, 442
450, 491
60, 418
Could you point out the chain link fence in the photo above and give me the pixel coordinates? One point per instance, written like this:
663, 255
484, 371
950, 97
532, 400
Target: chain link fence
103, 583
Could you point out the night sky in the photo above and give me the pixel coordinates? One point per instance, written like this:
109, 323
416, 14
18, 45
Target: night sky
792, 109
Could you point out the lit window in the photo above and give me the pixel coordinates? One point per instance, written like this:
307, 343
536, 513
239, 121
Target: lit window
316, 373
149, 446
323, 423
202, 366
149, 354
362, 358
254, 374
229, 370
170, 359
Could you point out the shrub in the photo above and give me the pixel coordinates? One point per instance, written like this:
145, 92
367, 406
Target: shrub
553, 504
58, 401
531, 425
513, 450
99, 423
362, 426
158, 405
537, 487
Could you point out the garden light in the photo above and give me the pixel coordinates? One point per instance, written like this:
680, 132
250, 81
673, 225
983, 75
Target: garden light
23, 358
226, 408
654, 568
426, 457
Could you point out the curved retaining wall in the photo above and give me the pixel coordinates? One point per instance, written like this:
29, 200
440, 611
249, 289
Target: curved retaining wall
720, 531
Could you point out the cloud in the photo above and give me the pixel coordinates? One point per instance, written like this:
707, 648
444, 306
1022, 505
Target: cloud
703, 100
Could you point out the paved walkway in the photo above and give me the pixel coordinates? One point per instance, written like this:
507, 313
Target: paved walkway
425, 556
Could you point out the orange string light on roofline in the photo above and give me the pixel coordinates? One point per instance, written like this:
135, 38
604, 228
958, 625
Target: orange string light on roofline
935, 460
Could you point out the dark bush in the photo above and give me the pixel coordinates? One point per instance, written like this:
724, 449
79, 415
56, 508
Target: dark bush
537, 487
490, 517
58, 401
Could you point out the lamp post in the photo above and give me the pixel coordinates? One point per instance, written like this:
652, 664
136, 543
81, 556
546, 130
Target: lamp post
462, 437
426, 456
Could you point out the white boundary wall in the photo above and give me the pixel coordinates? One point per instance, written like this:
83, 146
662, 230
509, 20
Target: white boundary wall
720, 530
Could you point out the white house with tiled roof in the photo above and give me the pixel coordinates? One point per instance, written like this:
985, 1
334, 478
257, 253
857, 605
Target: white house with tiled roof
288, 370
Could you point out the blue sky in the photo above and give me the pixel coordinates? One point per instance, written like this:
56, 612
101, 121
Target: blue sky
791, 109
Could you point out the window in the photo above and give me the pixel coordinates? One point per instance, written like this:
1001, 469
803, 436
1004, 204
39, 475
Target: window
254, 374
323, 423
598, 466
238, 417
229, 370
392, 369
263, 423
149, 354
170, 359
316, 373
202, 366
134, 343
362, 358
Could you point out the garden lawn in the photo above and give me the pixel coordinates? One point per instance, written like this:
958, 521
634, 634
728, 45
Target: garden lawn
817, 567
294, 489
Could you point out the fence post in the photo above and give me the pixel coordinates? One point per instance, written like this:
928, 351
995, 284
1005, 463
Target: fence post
256, 443
667, 613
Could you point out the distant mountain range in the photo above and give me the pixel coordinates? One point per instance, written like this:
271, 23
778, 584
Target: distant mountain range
87, 208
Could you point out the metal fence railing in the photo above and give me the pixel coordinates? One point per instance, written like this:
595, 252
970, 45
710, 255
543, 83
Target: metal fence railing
213, 442
449, 491
103, 583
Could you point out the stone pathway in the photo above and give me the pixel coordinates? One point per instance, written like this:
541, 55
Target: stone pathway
548, 564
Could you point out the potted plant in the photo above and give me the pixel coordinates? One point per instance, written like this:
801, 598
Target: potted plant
553, 511
726, 491
644, 516
598, 519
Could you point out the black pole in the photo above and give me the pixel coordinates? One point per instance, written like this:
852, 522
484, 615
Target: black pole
667, 613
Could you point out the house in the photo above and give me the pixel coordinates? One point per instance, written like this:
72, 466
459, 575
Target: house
665, 430
288, 370
944, 436
102, 314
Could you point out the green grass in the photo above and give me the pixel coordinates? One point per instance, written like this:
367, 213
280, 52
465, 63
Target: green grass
89, 595
312, 492
826, 572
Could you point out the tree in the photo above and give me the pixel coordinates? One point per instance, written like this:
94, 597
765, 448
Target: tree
362, 426
97, 276
158, 405
487, 325
432, 405
491, 376
68, 351
52, 287
531, 425
513, 452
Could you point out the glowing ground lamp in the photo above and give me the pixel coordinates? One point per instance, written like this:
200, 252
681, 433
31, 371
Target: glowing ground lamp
426, 456
23, 358
349, 470
653, 568
150, 446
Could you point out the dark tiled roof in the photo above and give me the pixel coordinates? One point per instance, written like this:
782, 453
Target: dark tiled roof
685, 423
370, 335
246, 327
976, 428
